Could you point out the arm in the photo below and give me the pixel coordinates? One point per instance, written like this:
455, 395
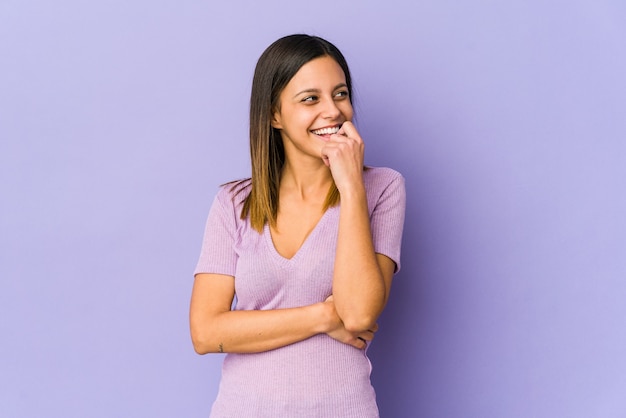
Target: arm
215, 328
362, 278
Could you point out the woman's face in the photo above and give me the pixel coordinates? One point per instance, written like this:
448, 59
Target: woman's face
313, 105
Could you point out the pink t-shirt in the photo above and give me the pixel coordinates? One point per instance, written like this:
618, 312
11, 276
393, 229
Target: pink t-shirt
318, 377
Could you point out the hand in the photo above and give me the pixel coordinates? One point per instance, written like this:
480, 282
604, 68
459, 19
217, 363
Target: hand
343, 154
339, 333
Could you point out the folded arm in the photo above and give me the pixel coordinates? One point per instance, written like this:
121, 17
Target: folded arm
216, 328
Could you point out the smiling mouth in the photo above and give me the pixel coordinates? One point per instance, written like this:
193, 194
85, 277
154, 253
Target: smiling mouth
326, 131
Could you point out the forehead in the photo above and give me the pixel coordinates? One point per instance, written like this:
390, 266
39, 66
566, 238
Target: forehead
318, 73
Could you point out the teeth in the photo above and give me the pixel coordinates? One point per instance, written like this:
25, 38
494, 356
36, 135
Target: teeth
326, 131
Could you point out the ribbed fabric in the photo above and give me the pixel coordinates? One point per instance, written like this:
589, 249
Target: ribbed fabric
318, 377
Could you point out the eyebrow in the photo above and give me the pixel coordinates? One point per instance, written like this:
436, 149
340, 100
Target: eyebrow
338, 86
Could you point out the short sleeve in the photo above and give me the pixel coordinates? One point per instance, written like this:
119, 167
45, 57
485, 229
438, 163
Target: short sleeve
218, 254
387, 219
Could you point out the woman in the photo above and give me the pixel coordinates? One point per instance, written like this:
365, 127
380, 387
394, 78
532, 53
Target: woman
308, 245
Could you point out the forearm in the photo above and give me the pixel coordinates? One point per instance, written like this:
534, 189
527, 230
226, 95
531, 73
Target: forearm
359, 288
257, 331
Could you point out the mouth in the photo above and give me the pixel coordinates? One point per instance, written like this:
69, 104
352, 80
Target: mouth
330, 130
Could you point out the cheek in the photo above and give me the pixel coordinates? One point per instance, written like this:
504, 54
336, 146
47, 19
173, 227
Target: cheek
346, 110
296, 123
303, 119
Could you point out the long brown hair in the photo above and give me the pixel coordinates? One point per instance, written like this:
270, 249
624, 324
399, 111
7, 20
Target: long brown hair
275, 68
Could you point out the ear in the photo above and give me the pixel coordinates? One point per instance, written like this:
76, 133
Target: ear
276, 121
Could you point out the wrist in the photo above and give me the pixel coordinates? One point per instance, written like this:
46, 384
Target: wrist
326, 315
355, 192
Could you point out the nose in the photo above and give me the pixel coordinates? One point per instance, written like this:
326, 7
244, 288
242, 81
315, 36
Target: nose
330, 110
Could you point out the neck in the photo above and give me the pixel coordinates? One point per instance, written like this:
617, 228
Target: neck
309, 183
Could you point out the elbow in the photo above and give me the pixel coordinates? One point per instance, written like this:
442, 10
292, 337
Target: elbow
200, 348
361, 320
359, 324
201, 343
206, 335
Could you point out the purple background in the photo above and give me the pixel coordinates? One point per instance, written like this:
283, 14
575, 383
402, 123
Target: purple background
118, 120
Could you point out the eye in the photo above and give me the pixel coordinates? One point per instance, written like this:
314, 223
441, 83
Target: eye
310, 99
342, 94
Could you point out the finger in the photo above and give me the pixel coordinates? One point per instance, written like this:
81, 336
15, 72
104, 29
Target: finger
335, 147
348, 129
338, 138
342, 143
325, 153
343, 139
341, 130
366, 336
363, 343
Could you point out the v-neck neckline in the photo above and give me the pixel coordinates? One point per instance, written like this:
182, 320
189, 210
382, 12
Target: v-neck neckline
284, 260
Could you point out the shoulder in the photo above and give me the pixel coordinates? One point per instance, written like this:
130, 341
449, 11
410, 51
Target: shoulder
385, 187
234, 193
376, 178
229, 200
